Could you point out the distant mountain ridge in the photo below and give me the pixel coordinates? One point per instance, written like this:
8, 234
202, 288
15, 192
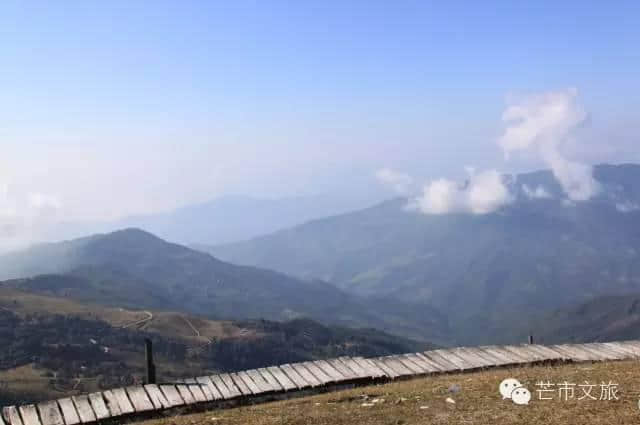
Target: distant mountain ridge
484, 272
133, 268
225, 219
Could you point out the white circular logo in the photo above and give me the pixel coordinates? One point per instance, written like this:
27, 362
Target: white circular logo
507, 386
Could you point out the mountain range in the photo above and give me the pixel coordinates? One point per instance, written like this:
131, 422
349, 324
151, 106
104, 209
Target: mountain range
454, 278
133, 268
489, 274
224, 219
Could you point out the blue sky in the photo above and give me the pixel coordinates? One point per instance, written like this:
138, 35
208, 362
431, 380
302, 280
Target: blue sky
123, 107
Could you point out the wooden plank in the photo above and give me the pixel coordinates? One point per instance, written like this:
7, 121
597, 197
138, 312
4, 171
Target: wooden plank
249, 383
240, 384
414, 367
123, 401
599, 353
441, 367
389, 372
330, 371
139, 399
547, 352
172, 395
69, 413
632, 345
205, 381
12, 415
202, 388
195, 389
235, 392
498, 358
425, 367
259, 381
425, 363
85, 412
157, 398
99, 408
606, 350
267, 376
475, 361
29, 415
371, 371
354, 366
306, 375
451, 355
294, 376
437, 358
185, 393
398, 367
512, 357
489, 360
112, 404
282, 378
222, 388
343, 369
629, 347
452, 358
50, 413
573, 354
526, 355
535, 355
318, 373
623, 349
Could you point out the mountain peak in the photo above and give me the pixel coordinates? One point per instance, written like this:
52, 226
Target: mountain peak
131, 234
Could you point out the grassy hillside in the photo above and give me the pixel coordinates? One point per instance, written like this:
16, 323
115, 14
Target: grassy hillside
132, 268
423, 401
50, 347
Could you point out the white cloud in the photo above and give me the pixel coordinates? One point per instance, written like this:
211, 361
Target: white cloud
537, 193
400, 182
484, 192
544, 123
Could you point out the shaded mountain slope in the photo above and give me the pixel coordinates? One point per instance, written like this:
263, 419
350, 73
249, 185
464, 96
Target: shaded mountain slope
133, 268
486, 272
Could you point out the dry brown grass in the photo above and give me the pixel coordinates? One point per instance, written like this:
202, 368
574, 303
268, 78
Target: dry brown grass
168, 324
422, 401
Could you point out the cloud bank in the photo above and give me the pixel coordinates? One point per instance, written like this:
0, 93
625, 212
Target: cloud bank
543, 123
540, 124
483, 193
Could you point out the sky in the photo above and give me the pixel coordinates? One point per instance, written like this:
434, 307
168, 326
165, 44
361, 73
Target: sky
124, 107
